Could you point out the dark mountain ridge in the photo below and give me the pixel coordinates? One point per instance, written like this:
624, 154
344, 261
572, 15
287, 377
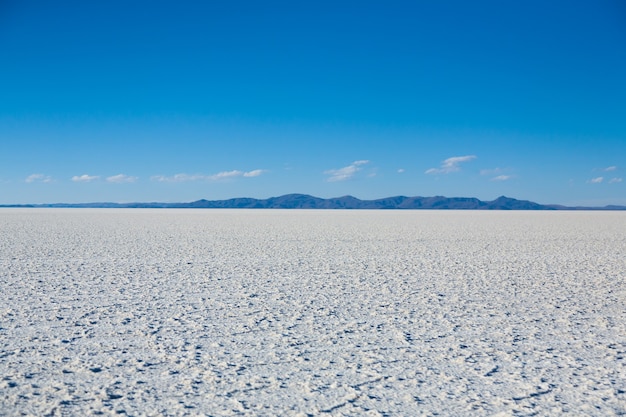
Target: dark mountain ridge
304, 201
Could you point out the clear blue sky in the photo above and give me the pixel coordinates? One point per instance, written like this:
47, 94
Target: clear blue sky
181, 100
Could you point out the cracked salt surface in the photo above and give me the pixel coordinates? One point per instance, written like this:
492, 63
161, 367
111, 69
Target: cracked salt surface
237, 312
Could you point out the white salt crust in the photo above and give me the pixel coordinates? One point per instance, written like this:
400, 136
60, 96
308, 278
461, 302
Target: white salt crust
274, 312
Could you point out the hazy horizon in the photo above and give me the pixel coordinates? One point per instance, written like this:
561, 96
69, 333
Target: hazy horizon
103, 203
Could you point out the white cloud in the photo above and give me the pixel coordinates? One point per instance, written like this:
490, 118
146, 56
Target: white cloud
497, 174
38, 178
450, 165
345, 173
178, 178
224, 175
401, 171
254, 173
84, 178
615, 180
236, 173
596, 180
121, 178
611, 168
173, 178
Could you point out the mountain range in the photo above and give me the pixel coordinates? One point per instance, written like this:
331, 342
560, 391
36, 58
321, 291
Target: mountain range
304, 201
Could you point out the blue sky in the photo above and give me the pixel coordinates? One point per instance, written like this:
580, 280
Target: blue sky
178, 101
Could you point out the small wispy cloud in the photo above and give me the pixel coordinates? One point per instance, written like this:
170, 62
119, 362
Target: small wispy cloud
450, 165
224, 175
38, 178
121, 178
254, 173
615, 180
400, 171
596, 180
345, 173
84, 178
177, 178
611, 168
497, 174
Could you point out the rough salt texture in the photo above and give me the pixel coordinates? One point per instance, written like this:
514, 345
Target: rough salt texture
237, 312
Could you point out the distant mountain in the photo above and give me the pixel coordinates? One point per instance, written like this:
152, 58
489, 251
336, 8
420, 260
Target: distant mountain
304, 201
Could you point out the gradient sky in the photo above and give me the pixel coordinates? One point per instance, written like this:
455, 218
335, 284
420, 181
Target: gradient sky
180, 100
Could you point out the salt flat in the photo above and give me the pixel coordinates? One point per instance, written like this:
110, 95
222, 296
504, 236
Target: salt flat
242, 312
